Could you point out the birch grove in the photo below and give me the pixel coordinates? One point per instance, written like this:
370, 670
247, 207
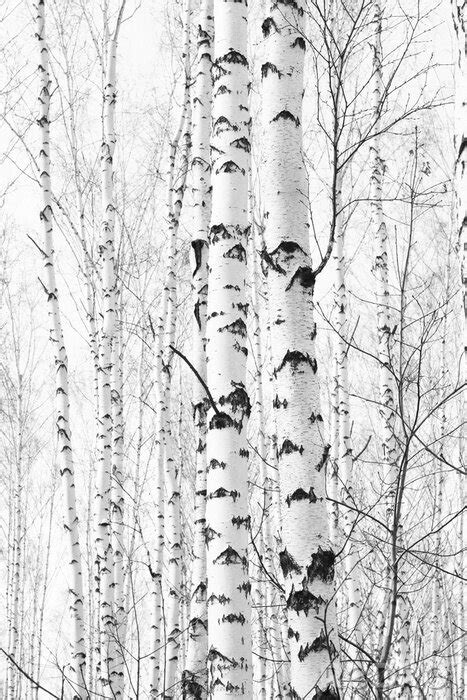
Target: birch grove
232, 349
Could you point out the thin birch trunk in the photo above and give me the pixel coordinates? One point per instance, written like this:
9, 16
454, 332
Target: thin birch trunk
75, 586
109, 653
195, 673
227, 519
307, 562
388, 476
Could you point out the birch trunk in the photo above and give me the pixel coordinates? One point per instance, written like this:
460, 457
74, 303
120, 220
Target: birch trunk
345, 458
104, 576
75, 586
227, 520
388, 476
307, 562
195, 674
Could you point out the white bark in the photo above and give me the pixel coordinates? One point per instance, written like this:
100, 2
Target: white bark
195, 673
75, 586
227, 520
307, 562
110, 663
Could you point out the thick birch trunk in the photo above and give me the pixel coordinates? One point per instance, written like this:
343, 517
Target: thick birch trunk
75, 586
195, 673
227, 520
307, 562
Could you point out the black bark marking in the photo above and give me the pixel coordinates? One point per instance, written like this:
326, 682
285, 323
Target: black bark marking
277, 403
221, 420
267, 25
234, 617
215, 464
324, 458
269, 67
238, 521
197, 246
210, 534
328, 693
221, 599
230, 167
219, 232
242, 143
316, 418
230, 556
224, 123
301, 495
233, 56
221, 492
304, 601
237, 251
237, 327
285, 114
245, 587
238, 400
288, 563
304, 276
288, 447
300, 42
293, 635
191, 687
295, 358
322, 566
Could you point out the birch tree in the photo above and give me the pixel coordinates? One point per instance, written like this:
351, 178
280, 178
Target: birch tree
307, 563
75, 586
195, 670
227, 520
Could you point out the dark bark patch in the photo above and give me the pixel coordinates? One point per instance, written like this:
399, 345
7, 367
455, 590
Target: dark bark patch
230, 167
210, 534
324, 458
221, 420
242, 143
191, 686
230, 556
269, 67
296, 358
304, 601
238, 399
277, 403
237, 252
222, 123
234, 617
291, 634
288, 447
216, 464
267, 26
237, 327
233, 56
220, 599
322, 566
221, 492
299, 43
198, 246
288, 564
301, 495
240, 522
315, 418
287, 116
328, 693
304, 276
219, 232
245, 587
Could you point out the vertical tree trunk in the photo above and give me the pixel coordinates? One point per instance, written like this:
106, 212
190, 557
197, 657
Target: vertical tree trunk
307, 562
345, 458
104, 576
227, 520
75, 586
195, 674
386, 392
